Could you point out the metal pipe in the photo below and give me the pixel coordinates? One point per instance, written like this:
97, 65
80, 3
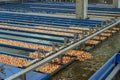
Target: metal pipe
48, 59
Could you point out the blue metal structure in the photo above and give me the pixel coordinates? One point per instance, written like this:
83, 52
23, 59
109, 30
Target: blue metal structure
35, 37
8, 70
107, 68
41, 33
37, 20
16, 55
25, 20
20, 48
51, 8
27, 41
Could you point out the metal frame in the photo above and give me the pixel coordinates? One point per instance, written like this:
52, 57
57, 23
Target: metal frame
61, 52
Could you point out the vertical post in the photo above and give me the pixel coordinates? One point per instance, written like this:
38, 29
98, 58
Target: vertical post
23, 77
116, 3
81, 8
53, 47
65, 41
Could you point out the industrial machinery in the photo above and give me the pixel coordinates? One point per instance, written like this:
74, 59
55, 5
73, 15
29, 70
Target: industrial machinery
34, 42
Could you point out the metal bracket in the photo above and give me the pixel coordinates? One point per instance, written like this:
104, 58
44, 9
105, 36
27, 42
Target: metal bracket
66, 40
108, 22
41, 53
54, 49
76, 36
61, 59
91, 30
83, 34
48, 59
97, 27
103, 24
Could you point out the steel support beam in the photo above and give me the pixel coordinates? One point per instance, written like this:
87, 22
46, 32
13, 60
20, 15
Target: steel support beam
48, 59
116, 3
81, 8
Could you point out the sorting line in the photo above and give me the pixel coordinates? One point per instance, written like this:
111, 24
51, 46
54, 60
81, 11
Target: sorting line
62, 11
24, 26
70, 11
64, 6
41, 33
18, 42
16, 55
41, 38
65, 30
44, 18
25, 18
40, 63
25, 38
22, 48
29, 24
48, 9
42, 23
20, 25
46, 23
38, 17
15, 51
51, 5
39, 43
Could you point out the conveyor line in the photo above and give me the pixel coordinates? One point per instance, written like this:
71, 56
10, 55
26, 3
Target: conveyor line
55, 8
32, 34
44, 44
15, 51
25, 38
17, 47
41, 33
16, 55
34, 37
54, 55
54, 29
44, 22
47, 59
24, 44
20, 48
46, 5
49, 28
39, 17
